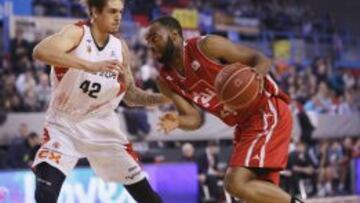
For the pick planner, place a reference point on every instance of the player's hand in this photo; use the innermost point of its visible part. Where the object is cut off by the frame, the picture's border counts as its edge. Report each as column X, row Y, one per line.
column 113, row 66
column 261, row 81
column 168, row 122
column 261, row 78
column 229, row 109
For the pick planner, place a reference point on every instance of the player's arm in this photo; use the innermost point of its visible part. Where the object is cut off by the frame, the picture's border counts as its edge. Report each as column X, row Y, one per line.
column 54, row 50
column 135, row 96
column 221, row 49
column 187, row 118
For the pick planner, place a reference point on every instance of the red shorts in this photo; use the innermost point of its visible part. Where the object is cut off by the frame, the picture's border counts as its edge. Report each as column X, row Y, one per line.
column 263, row 140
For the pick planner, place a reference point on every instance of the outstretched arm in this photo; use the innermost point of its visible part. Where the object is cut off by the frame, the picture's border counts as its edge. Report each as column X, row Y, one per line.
column 187, row 117
column 135, row 96
column 54, row 50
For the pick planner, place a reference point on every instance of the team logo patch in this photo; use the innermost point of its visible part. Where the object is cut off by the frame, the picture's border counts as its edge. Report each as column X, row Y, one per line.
column 112, row 53
column 195, row 65
column 169, row 78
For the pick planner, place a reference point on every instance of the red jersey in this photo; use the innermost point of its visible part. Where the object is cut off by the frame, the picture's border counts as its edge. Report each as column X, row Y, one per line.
column 197, row 85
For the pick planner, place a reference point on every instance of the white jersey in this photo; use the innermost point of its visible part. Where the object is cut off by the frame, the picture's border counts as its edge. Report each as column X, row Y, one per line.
column 81, row 121
column 78, row 93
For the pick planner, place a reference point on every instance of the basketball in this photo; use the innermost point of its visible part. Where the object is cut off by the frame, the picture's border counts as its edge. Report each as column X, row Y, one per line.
column 236, row 86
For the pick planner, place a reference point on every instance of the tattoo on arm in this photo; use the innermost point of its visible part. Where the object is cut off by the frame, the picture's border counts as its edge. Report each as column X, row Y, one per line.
column 135, row 96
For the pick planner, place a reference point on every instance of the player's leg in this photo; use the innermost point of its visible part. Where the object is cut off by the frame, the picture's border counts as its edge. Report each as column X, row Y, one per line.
column 114, row 160
column 245, row 184
column 48, row 183
column 118, row 163
column 54, row 160
column 261, row 150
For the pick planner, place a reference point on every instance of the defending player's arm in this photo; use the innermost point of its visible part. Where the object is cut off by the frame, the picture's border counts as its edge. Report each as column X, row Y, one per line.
column 54, row 50
column 187, row 118
column 221, row 49
column 135, row 96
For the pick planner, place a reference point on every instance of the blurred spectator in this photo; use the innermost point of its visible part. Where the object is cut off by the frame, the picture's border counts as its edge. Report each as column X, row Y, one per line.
column 187, row 152
column 43, row 90
column 320, row 102
column 148, row 75
column 209, row 175
column 22, row 154
column 326, row 171
column 340, row 105
column 31, row 103
column 23, row 134
column 136, row 121
column 19, row 49
column 345, row 167
column 349, row 80
column 306, row 126
column 302, row 170
column 356, row 149
column 25, row 82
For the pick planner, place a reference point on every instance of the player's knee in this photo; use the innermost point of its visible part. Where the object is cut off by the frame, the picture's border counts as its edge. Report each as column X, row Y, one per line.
column 233, row 187
column 235, row 183
column 48, row 183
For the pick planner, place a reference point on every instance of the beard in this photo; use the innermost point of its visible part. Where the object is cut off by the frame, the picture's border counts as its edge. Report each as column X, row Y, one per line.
column 168, row 52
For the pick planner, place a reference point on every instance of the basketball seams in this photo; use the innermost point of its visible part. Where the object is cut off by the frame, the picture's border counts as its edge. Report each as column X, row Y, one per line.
column 243, row 89
column 228, row 80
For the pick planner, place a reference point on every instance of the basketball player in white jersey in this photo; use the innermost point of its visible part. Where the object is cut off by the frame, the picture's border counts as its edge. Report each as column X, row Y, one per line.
column 89, row 78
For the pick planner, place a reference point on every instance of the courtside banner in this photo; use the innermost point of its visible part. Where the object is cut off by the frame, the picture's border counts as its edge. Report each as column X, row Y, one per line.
column 176, row 183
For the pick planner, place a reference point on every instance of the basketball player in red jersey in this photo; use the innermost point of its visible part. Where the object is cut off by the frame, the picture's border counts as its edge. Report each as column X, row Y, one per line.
column 89, row 77
column 262, row 132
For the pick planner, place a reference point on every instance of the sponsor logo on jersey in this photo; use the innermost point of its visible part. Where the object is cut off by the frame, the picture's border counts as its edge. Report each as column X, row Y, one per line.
column 195, row 65
column 51, row 155
column 169, row 78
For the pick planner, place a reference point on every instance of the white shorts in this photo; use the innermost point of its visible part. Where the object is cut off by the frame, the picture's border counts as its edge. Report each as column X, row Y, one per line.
column 99, row 139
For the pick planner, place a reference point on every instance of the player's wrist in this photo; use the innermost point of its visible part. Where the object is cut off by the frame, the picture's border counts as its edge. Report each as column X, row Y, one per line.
column 85, row 66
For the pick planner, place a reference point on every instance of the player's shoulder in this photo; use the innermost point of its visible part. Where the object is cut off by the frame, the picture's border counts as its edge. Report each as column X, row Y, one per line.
column 209, row 45
column 72, row 30
column 208, row 40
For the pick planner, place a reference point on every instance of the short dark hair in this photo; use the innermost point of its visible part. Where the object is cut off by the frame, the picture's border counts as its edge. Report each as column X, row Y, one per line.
column 170, row 23
column 99, row 4
column 33, row 135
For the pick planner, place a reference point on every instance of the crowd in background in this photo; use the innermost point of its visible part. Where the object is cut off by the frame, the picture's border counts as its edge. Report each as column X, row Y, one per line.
column 279, row 15
column 323, row 166
column 318, row 87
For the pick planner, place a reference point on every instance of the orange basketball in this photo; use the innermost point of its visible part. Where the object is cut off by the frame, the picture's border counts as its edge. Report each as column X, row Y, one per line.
column 237, row 86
